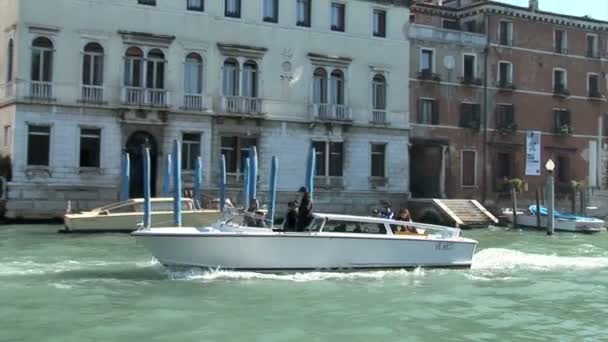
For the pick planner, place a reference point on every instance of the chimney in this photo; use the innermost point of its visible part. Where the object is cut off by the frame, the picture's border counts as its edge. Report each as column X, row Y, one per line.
column 533, row 5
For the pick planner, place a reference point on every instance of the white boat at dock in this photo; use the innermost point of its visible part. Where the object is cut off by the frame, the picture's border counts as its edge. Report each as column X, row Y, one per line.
column 331, row 242
column 562, row 222
column 127, row 216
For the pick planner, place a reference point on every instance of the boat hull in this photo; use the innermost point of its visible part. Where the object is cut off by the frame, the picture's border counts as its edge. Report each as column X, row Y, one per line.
column 302, row 251
column 130, row 222
column 587, row 226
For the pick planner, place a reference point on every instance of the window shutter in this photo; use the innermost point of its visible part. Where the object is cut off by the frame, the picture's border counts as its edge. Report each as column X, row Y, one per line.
column 463, row 115
column 511, row 115
column 420, row 116
column 435, row 118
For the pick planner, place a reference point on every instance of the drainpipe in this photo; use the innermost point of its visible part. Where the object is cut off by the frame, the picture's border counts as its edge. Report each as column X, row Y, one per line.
column 486, row 52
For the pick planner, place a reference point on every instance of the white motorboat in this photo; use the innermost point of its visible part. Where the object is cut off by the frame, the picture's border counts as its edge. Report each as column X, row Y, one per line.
column 127, row 216
column 562, row 222
column 332, row 242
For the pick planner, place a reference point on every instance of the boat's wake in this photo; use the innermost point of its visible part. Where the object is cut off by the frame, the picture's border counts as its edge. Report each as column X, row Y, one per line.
column 500, row 259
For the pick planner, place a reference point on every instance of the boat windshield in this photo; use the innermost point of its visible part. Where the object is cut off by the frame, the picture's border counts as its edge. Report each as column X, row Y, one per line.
column 335, row 226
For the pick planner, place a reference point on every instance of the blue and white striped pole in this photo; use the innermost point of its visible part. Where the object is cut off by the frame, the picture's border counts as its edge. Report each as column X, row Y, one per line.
column 147, row 200
column 167, row 177
column 222, row 183
column 246, row 199
column 177, row 184
column 198, row 180
column 125, row 177
column 310, row 171
column 274, row 169
column 253, row 174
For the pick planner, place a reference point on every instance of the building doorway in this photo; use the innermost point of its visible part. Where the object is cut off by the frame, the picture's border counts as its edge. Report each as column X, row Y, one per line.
column 135, row 144
column 426, row 163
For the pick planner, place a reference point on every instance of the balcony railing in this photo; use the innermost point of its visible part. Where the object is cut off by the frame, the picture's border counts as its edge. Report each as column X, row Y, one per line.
column 331, row 112
column 241, row 104
column 92, row 94
column 592, row 54
column 560, row 90
column 561, row 50
column 134, row 96
column 7, row 91
column 41, row 90
column 428, row 75
column 379, row 116
column 470, row 80
column 194, row 102
column 595, row 94
column 506, row 85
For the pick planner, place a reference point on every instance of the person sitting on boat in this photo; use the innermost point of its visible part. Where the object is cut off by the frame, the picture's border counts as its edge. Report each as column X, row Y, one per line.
column 254, row 217
column 404, row 216
column 304, row 211
column 291, row 218
column 387, row 212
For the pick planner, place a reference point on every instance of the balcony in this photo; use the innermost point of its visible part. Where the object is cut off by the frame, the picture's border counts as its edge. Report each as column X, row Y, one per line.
column 331, row 112
column 429, row 33
column 379, row 117
column 40, row 90
column 560, row 90
column 92, row 94
column 427, row 75
column 194, row 102
column 241, row 105
column 560, row 50
column 591, row 53
column 471, row 81
column 595, row 94
column 505, row 85
column 135, row 96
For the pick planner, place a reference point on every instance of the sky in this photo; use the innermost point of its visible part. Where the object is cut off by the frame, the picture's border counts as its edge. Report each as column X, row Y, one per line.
column 597, row 9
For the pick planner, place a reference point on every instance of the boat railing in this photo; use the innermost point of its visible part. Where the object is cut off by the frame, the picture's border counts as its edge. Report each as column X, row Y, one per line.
column 443, row 231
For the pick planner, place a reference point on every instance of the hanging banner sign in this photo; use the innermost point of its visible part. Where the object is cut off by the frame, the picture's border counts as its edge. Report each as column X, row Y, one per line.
column 533, row 164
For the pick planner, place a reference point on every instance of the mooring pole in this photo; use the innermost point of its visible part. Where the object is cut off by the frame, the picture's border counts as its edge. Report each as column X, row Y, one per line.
column 177, row 186
column 538, row 223
column 583, row 202
column 253, row 174
column 274, row 168
column 125, row 177
column 550, row 198
column 222, row 183
column 246, row 199
column 310, row 172
column 514, row 206
column 147, row 200
column 198, row 180
column 167, row 176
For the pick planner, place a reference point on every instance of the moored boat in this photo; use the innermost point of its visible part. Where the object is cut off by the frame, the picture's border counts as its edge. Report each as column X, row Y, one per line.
column 562, row 222
column 331, row 242
column 127, row 216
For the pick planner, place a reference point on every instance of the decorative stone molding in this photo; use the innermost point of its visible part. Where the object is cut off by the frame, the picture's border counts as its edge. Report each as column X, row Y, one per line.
column 144, row 38
column 327, row 60
column 236, row 50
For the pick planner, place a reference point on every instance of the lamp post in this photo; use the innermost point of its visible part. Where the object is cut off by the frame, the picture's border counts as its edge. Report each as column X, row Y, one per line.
column 550, row 166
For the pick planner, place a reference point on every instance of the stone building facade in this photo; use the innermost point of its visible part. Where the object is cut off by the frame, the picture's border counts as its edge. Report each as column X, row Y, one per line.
column 531, row 71
column 81, row 81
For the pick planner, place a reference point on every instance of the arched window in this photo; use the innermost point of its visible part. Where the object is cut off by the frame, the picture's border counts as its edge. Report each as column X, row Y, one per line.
column 42, row 60
column 155, row 70
column 250, row 79
column 319, row 86
column 336, row 89
column 231, row 77
column 193, row 74
column 10, row 58
column 134, row 59
column 379, row 92
column 92, row 65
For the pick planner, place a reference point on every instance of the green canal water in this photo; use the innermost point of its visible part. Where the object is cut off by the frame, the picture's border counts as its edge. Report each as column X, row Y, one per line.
column 524, row 286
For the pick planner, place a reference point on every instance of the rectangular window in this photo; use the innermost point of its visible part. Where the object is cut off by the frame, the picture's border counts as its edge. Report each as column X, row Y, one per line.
column 592, row 49
column 271, row 11
column 562, row 120
column 147, row 2
column 90, row 147
column 504, row 33
column 7, row 135
column 559, row 81
column 426, row 61
column 232, row 8
column 329, row 161
column 451, row 24
column 236, row 150
column 303, row 13
column 559, row 42
column 191, row 150
column 428, row 113
column 196, row 5
column 378, row 159
column 38, row 145
column 562, row 169
column 9, row 65
column 469, row 67
column 469, row 168
column 338, row 16
column 505, row 117
column 593, row 85
column 470, row 115
column 505, row 74
column 379, row 23
column 471, row 26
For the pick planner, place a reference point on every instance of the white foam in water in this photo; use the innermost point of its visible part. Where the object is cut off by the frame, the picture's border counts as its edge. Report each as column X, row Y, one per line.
column 212, row 275
column 28, row 267
column 506, row 259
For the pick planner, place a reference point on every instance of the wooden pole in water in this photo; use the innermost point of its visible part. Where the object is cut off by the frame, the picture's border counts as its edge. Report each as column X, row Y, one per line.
column 274, row 168
column 514, row 206
column 167, row 176
column 222, row 183
column 583, row 203
column 147, row 200
column 198, row 180
column 551, row 204
column 538, row 223
column 177, row 186
column 126, row 177
column 246, row 199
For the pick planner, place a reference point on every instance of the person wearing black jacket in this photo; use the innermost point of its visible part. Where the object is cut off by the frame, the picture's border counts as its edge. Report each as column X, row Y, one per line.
column 291, row 218
column 304, row 211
